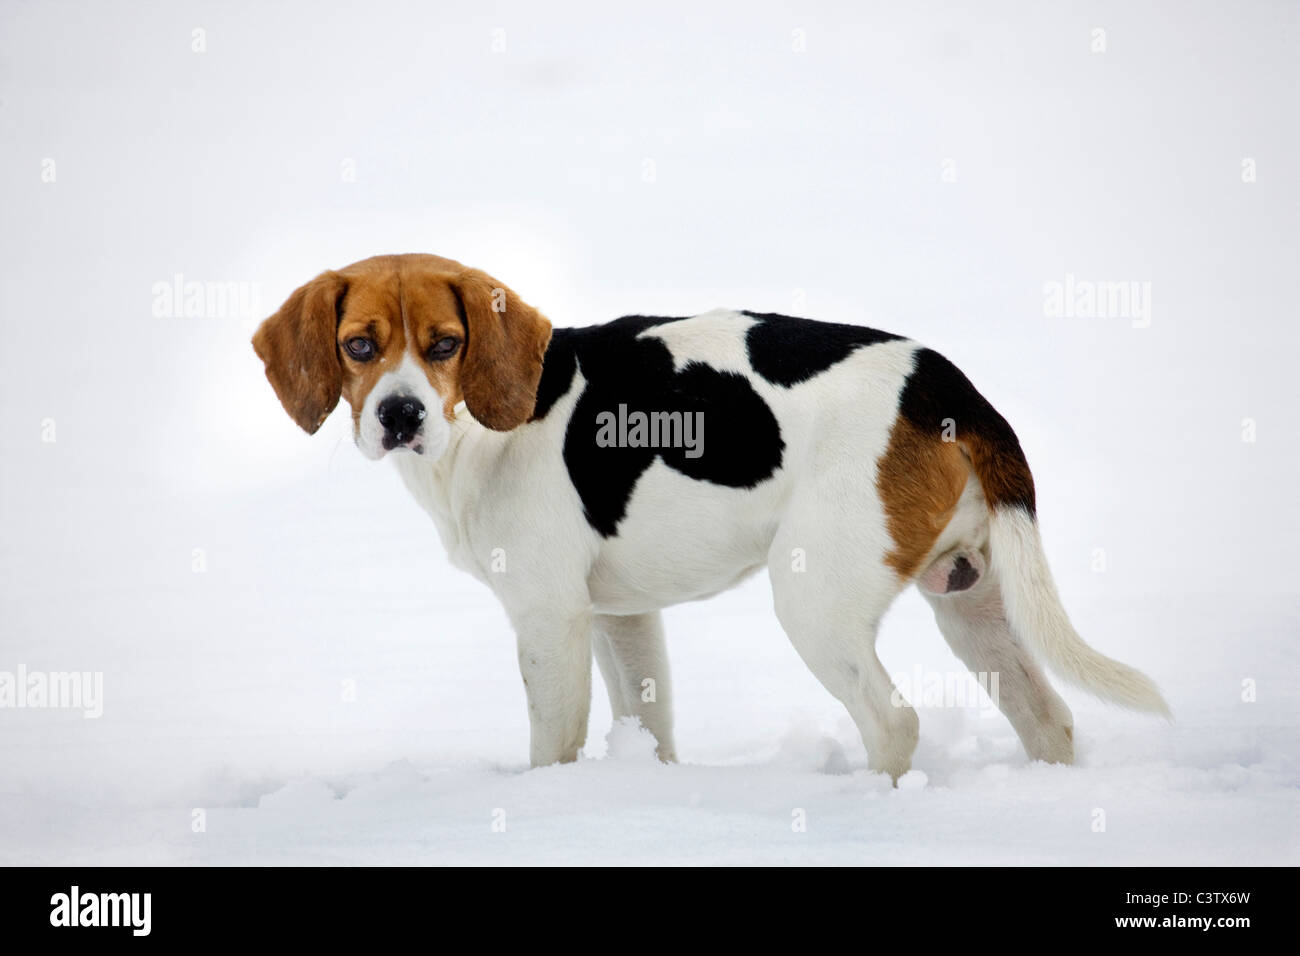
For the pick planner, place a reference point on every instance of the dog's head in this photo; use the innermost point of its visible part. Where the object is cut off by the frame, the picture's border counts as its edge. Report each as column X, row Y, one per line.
column 404, row 339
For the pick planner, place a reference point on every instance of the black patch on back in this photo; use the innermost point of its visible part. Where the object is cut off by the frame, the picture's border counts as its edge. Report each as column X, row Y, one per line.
column 742, row 444
column 963, row 574
column 787, row 350
column 936, row 390
column 561, row 359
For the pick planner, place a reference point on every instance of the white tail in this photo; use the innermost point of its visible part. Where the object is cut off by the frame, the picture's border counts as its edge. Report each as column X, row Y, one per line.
column 1037, row 618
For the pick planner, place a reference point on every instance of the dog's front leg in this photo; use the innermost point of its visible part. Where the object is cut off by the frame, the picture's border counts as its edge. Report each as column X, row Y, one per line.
column 555, row 661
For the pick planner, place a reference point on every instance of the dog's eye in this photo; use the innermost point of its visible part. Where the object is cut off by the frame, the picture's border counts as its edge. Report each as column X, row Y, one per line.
column 363, row 350
column 443, row 348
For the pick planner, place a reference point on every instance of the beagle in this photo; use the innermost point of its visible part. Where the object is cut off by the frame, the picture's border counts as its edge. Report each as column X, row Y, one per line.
column 592, row 477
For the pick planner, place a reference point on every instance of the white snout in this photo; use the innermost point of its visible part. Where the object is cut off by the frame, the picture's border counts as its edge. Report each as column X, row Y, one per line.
column 406, row 381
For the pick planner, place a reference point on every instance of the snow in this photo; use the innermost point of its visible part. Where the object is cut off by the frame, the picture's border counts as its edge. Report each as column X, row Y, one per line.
column 224, row 692
column 292, row 671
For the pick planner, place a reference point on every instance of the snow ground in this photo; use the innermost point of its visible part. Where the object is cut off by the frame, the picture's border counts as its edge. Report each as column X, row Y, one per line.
column 228, row 575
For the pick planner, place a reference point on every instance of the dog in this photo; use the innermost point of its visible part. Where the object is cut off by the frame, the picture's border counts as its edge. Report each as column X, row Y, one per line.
column 593, row 476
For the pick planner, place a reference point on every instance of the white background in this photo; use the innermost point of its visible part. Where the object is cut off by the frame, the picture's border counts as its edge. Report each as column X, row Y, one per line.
column 808, row 182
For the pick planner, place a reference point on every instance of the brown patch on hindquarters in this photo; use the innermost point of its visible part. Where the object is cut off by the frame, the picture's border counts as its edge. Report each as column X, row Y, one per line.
column 920, row 480
column 944, row 430
column 940, row 402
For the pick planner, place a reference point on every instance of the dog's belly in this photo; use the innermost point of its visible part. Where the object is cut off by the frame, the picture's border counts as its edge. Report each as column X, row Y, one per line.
column 683, row 540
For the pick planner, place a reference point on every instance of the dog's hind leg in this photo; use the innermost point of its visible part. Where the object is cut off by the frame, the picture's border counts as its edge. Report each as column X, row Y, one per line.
column 830, row 607
column 975, row 625
column 633, row 661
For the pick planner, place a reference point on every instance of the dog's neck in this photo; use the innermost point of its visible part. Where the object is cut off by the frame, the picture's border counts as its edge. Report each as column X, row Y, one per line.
column 441, row 486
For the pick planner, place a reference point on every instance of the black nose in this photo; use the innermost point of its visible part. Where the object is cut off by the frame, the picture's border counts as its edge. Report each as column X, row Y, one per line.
column 401, row 417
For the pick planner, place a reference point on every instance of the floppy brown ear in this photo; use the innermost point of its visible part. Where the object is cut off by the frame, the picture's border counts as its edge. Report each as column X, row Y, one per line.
column 301, row 355
column 505, row 343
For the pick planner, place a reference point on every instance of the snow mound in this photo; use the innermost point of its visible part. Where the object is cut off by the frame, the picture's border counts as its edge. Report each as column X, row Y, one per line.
column 299, row 795
column 628, row 740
